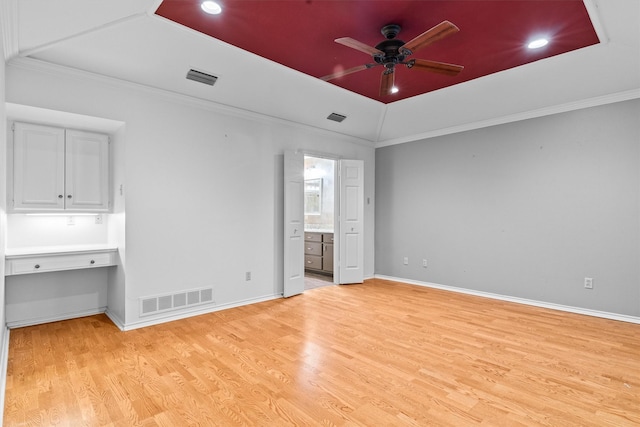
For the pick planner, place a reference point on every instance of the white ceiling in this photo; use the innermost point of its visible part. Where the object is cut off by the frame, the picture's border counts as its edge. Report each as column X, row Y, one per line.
column 125, row 40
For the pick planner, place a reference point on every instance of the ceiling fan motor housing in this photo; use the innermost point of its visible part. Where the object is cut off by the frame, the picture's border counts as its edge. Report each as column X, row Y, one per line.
column 392, row 55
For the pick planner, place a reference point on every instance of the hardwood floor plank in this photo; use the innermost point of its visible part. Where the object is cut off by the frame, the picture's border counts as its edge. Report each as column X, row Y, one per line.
column 381, row 353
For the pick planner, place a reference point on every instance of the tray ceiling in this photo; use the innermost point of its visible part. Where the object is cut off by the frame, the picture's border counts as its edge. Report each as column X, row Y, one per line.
column 493, row 35
column 268, row 57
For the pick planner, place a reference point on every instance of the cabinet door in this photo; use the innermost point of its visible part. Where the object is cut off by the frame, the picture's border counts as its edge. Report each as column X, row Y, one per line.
column 38, row 167
column 327, row 257
column 87, row 171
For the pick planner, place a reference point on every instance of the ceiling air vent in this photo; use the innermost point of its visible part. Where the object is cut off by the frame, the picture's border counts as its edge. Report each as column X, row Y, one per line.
column 336, row 117
column 199, row 76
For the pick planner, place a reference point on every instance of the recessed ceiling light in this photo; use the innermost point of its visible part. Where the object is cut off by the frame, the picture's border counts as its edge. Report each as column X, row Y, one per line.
column 211, row 7
column 538, row 43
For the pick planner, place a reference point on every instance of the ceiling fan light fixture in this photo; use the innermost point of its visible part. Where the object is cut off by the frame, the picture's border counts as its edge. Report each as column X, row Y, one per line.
column 538, row 43
column 211, row 7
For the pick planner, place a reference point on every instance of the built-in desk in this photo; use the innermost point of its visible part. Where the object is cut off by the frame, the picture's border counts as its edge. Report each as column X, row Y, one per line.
column 57, row 258
column 48, row 284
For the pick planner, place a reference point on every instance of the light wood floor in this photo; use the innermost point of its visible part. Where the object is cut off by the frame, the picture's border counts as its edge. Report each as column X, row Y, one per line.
column 378, row 354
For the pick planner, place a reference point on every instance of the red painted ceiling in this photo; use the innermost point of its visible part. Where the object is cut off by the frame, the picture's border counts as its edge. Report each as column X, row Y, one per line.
column 300, row 34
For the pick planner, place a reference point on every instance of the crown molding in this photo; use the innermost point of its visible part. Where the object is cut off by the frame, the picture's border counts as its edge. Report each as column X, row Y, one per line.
column 9, row 27
column 175, row 97
column 541, row 112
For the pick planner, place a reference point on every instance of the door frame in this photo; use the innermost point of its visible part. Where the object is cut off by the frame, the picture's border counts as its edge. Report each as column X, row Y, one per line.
column 336, row 219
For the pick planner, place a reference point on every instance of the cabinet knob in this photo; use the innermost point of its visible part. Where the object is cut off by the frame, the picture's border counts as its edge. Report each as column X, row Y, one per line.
column 69, row 196
column 93, row 262
column 59, row 196
column 37, row 266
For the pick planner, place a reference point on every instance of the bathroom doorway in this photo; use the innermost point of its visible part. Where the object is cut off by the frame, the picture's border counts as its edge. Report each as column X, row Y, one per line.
column 319, row 214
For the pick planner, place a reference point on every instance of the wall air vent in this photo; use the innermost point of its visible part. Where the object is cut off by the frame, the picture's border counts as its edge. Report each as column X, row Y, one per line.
column 199, row 76
column 336, row 117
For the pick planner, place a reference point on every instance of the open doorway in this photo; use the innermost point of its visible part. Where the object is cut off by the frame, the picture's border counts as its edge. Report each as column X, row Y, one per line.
column 319, row 214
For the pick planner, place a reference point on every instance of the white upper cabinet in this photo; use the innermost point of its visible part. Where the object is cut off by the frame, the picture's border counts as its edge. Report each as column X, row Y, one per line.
column 59, row 170
column 87, row 171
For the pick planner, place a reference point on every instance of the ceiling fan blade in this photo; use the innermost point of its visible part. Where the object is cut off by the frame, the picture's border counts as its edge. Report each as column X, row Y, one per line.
column 355, row 44
column 443, row 29
column 386, row 82
column 435, row 66
column 347, row 72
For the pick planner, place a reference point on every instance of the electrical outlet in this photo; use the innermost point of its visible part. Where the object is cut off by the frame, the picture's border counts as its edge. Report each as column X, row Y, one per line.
column 247, row 276
column 98, row 219
column 71, row 220
column 588, row 283
column 405, row 261
column 424, row 262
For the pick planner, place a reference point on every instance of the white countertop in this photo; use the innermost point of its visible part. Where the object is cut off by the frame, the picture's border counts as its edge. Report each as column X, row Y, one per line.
column 50, row 250
column 318, row 230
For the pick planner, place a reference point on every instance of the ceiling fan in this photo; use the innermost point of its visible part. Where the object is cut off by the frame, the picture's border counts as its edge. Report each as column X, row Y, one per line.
column 392, row 52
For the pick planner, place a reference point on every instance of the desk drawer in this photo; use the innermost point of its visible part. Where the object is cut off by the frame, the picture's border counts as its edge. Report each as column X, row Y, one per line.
column 58, row 263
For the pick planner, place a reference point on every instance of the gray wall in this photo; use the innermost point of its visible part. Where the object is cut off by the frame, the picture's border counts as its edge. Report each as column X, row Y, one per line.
column 527, row 209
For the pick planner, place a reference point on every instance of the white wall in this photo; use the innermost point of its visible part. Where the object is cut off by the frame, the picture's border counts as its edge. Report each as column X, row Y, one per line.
column 25, row 231
column 202, row 185
column 4, row 344
column 525, row 210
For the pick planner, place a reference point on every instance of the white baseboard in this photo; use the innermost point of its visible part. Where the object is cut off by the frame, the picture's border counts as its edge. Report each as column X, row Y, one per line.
column 552, row 306
column 170, row 317
column 56, row 318
column 115, row 319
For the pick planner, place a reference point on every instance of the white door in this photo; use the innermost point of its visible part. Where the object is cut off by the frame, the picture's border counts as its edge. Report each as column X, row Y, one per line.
column 38, row 167
column 293, row 223
column 87, row 171
column 351, row 222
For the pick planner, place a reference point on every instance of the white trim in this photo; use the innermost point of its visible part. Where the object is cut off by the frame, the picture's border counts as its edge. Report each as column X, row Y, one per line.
column 115, row 319
column 552, row 306
column 191, row 313
column 187, row 100
column 547, row 111
column 56, row 318
column 4, row 362
column 153, row 8
column 594, row 15
column 9, row 27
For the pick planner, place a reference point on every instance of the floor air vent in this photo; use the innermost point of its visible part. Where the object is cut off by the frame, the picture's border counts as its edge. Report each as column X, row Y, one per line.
column 180, row 300
column 200, row 77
